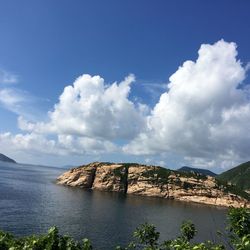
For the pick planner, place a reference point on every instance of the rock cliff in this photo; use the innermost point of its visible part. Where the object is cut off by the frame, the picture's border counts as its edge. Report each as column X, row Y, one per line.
column 154, row 181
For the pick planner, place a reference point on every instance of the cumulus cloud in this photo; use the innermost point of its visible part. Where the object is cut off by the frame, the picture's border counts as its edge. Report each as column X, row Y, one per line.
column 90, row 108
column 203, row 117
column 89, row 116
column 204, row 114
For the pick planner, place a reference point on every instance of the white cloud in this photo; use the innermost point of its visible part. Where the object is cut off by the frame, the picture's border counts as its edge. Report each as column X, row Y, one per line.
column 7, row 77
column 12, row 99
column 154, row 89
column 85, row 145
column 89, row 115
column 203, row 114
column 27, row 142
column 202, row 118
column 62, row 145
column 19, row 102
column 92, row 109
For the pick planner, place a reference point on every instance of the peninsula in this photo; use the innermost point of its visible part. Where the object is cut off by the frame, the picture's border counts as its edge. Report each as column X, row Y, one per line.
column 132, row 178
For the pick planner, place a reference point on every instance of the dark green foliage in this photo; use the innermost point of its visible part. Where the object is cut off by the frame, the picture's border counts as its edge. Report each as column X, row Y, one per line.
column 162, row 172
column 127, row 165
column 239, row 227
column 50, row 241
column 192, row 174
column 157, row 175
column 239, row 175
column 147, row 235
column 239, row 221
column 188, row 230
column 120, row 171
column 147, row 238
column 232, row 189
column 187, row 185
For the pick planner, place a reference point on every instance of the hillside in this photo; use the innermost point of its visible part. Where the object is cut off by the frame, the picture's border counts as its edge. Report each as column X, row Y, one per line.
column 6, row 159
column 136, row 179
column 197, row 170
column 239, row 176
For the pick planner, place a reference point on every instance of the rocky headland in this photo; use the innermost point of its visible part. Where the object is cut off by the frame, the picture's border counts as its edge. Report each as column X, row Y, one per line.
column 156, row 182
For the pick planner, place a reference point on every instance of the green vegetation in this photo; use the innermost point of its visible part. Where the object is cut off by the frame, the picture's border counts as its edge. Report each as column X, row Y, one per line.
column 160, row 175
column 240, row 176
column 50, row 241
column 232, row 189
column 145, row 238
column 157, row 175
column 122, row 173
column 191, row 174
column 127, row 165
column 187, row 185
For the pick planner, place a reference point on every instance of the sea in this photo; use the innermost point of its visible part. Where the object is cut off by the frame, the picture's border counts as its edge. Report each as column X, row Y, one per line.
column 31, row 202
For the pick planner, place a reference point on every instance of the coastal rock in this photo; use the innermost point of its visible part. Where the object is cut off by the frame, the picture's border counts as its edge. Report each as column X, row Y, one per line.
column 145, row 180
column 82, row 176
column 153, row 181
column 111, row 178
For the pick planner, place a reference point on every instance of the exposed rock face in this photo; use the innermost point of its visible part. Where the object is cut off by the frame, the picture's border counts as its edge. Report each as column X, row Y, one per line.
column 98, row 176
column 111, row 178
column 146, row 180
column 79, row 177
column 152, row 181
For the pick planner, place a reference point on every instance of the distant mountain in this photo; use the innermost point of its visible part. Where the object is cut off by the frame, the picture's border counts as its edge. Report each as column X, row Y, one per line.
column 197, row 170
column 6, row 159
column 239, row 176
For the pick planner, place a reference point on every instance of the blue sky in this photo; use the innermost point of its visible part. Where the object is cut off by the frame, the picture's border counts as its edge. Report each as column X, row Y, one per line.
column 46, row 45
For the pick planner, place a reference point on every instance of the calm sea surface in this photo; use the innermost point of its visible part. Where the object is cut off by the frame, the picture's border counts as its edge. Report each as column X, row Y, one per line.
column 31, row 202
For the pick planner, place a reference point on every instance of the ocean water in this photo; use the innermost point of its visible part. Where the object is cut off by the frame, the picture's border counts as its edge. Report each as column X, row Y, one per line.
column 31, row 202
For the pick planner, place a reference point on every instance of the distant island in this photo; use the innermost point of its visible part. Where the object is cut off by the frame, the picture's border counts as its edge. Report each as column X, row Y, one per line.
column 197, row 170
column 6, row 158
column 155, row 181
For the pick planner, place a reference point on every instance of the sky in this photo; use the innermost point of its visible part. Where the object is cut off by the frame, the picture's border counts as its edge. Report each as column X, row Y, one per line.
column 156, row 82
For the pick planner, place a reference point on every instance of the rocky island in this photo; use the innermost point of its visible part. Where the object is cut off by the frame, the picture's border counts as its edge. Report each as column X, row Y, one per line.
column 132, row 178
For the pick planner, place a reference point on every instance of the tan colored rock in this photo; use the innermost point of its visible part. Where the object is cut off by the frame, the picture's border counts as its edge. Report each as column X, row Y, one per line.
column 79, row 177
column 151, row 181
column 144, row 180
column 111, row 178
